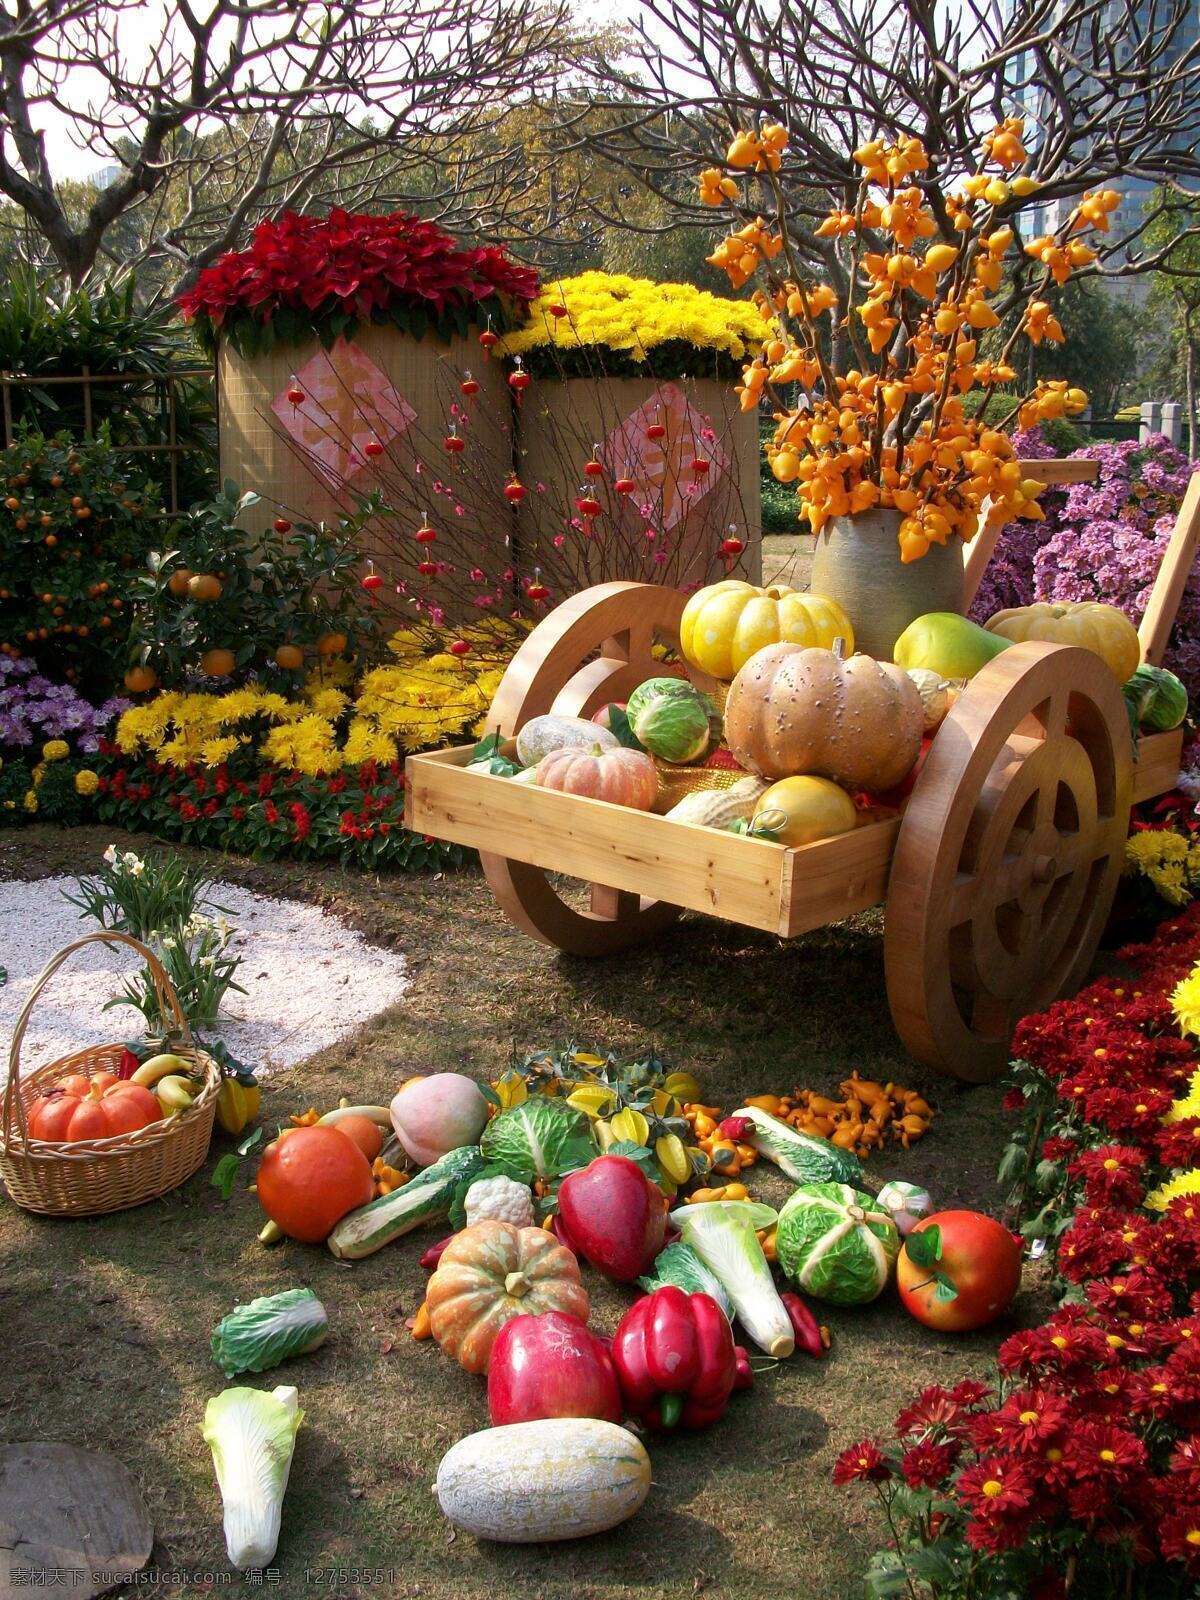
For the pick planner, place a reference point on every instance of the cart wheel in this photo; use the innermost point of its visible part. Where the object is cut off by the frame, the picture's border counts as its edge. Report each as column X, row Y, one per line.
column 593, row 648
column 1008, row 855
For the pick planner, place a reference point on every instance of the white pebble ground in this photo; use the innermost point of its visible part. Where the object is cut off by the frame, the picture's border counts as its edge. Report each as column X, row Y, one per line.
column 310, row 979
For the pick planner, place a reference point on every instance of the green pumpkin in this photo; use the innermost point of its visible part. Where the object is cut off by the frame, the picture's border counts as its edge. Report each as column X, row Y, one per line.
column 836, row 1243
column 673, row 720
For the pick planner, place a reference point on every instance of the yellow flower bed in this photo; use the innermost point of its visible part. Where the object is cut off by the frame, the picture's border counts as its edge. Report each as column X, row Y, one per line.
column 423, row 697
column 1167, row 860
column 634, row 315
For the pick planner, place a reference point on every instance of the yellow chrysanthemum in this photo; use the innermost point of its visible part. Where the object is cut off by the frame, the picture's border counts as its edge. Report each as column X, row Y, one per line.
column 309, row 745
column 1188, row 1105
column 86, row 781
column 1182, row 1183
column 30, row 802
column 215, row 751
column 364, row 743
column 1185, row 1003
column 56, row 750
column 635, row 315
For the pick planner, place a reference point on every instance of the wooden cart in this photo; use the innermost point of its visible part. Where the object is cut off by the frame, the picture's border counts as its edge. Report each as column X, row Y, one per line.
column 998, row 877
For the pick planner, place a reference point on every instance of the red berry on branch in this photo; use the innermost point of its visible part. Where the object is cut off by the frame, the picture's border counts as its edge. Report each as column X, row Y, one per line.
column 282, row 525
column 458, row 647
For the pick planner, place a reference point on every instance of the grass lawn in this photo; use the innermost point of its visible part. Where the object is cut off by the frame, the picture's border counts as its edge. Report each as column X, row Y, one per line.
column 106, row 1321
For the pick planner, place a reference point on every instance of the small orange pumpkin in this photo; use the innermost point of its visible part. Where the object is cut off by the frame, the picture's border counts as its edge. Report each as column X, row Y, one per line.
column 794, row 710
column 308, row 1180
column 620, row 776
column 492, row 1272
column 79, row 1107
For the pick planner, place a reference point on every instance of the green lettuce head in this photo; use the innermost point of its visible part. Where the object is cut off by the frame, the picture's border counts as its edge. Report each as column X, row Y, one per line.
column 543, row 1137
column 836, row 1244
column 673, row 719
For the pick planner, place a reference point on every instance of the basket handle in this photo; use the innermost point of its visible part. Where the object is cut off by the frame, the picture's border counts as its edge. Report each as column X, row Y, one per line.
column 164, row 990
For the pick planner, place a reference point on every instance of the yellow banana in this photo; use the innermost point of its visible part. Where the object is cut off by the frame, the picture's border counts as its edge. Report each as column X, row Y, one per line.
column 174, row 1093
column 149, row 1073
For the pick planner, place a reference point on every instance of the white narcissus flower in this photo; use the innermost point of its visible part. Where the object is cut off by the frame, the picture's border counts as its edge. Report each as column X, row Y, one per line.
column 110, row 855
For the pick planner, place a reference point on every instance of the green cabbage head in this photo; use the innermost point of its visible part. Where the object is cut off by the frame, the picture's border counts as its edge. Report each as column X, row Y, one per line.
column 836, row 1244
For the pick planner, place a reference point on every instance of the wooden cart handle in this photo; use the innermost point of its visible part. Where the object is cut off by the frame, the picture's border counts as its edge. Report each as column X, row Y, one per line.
column 1163, row 606
column 163, row 989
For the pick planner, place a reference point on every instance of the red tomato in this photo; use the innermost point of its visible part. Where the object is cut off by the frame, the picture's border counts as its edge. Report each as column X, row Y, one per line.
column 979, row 1257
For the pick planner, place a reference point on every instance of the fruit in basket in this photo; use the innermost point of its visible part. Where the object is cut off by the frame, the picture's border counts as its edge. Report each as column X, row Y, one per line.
column 550, row 1366
column 719, row 808
column 1090, row 624
column 724, row 624
column 835, row 1243
column 622, row 777
column 958, row 1271
column 309, row 1179
column 674, row 720
column 158, row 1067
column 492, row 1272
column 945, row 643
column 175, row 1093
column 541, row 735
column 437, row 1114
column 79, row 1107
column 808, row 809
column 793, row 710
column 615, row 1215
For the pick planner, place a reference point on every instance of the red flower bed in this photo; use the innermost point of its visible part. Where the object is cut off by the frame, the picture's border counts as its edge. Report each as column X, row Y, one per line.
column 324, row 275
column 1078, row 1473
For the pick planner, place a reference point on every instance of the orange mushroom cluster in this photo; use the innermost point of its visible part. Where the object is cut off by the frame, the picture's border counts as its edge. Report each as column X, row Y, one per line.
column 867, row 1117
column 893, row 430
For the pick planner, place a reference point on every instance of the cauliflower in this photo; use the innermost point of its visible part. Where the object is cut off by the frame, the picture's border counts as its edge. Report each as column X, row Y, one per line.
column 500, row 1198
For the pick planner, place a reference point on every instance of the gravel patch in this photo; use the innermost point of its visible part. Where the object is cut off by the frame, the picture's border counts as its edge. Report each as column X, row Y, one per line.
column 310, row 979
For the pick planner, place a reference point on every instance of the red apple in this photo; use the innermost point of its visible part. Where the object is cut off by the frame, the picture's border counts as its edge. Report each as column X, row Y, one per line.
column 604, row 715
column 615, row 1215
column 551, row 1366
column 972, row 1255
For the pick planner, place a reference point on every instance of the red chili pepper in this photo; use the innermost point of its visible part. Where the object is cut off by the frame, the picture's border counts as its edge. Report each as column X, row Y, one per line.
column 127, row 1065
column 434, row 1254
column 743, row 1372
column 805, row 1327
column 675, row 1359
column 736, row 1128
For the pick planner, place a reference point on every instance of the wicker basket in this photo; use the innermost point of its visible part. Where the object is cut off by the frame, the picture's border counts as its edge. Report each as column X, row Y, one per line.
column 88, row 1177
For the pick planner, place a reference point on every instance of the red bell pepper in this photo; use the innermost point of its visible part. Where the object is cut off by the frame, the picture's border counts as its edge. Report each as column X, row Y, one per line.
column 675, row 1361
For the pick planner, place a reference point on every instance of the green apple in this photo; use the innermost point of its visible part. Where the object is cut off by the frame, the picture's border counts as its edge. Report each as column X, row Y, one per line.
column 944, row 642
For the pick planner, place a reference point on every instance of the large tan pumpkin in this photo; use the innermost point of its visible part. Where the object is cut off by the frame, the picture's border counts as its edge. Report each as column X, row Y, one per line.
column 795, row 710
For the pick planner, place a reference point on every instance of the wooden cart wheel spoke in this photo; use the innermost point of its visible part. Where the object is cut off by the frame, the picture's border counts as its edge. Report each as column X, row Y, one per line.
column 1008, row 855
column 595, row 647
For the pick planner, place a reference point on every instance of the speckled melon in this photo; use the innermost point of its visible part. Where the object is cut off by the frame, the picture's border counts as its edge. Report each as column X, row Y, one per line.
column 560, row 1478
column 541, row 735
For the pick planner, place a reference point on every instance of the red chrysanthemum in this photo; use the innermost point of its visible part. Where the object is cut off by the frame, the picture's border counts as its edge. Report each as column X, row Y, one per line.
column 861, row 1463
column 927, row 1465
